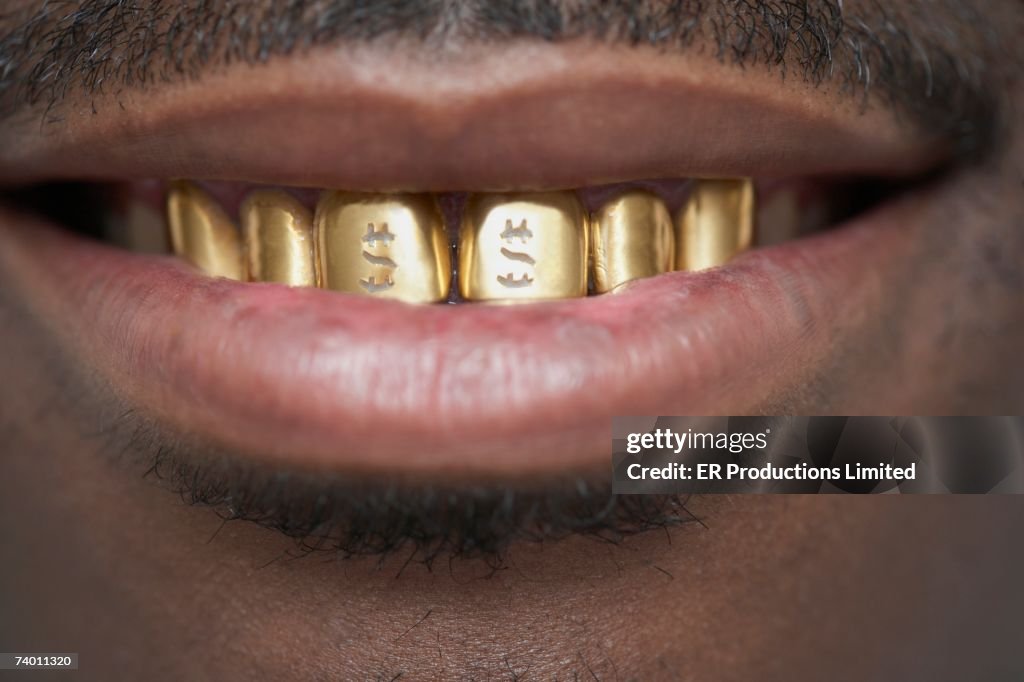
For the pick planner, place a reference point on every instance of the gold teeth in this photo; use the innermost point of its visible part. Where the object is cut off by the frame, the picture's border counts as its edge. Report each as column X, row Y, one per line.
column 202, row 234
column 383, row 245
column 512, row 247
column 278, row 232
column 631, row 238
column 515, row 247
column 716, row 224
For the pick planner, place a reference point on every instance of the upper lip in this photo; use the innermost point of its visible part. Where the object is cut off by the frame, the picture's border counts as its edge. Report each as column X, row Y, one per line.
column 525, row 118
column 312, row 378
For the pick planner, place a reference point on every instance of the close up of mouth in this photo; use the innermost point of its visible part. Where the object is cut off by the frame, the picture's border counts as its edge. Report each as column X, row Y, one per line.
column 289, row 322
column 251, row 327
column 511, row 339
column 312, row 271
column 297, row 321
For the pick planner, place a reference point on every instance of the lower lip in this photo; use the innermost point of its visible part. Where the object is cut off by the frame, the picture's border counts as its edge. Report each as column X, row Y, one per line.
column 324, row 380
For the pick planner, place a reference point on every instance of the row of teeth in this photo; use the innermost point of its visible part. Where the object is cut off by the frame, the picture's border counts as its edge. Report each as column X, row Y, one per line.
column 511, row 246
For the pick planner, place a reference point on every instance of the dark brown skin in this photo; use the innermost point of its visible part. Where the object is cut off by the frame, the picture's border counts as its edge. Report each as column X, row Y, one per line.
column 773, row 588
column 100, row 561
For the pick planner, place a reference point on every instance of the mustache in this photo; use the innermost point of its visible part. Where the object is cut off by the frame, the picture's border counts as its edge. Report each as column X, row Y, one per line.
column 900, row 55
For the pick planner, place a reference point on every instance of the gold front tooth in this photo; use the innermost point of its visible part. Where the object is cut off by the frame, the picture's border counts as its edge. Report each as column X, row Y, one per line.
column 201, row 232
column 631, row 237
column 523, row 247
column 278, row 232
column 716, row 224
column 385, row 245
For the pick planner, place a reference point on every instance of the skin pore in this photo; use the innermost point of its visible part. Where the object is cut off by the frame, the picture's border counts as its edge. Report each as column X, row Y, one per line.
column 107, row 562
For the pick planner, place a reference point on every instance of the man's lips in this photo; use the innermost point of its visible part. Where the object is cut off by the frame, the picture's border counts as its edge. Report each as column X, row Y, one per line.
column 530, row 117
column 319, row 379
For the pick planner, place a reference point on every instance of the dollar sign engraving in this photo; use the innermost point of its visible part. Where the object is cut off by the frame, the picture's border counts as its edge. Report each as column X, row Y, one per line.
column 524, row 234
column 374, row 284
